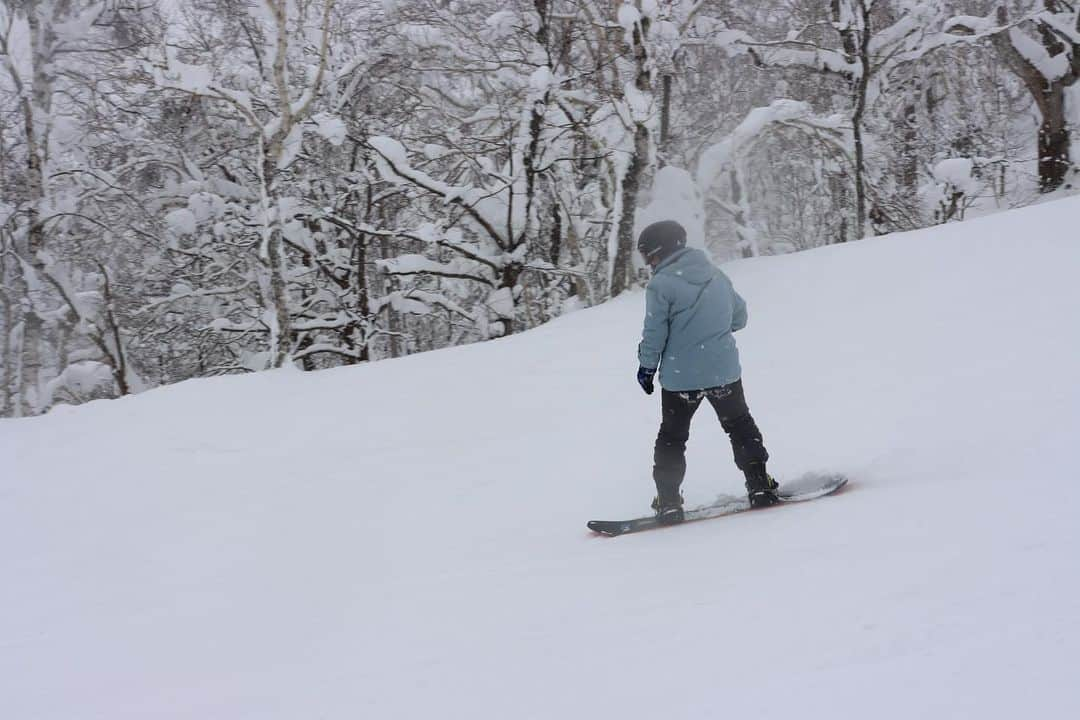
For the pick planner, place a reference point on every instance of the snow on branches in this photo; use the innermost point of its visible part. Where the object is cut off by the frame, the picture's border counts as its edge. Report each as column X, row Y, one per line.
column 731, row 156
column 193, row 187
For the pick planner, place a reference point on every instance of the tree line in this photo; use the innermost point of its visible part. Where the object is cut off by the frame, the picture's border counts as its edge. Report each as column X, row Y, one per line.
column 198, row 187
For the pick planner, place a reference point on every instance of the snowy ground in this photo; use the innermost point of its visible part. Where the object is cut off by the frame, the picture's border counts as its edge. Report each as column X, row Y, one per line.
column 344, row 545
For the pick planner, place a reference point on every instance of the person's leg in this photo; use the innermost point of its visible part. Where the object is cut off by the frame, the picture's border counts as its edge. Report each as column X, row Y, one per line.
column 747, row 444
column 729, row 402
column 669, row 456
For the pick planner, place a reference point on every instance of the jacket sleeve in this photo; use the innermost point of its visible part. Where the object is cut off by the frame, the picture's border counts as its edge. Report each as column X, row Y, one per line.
column 738, row 314
column 654, row 335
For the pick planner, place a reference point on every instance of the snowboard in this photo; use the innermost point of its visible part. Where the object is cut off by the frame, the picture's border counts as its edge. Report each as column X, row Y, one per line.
column 808, row 487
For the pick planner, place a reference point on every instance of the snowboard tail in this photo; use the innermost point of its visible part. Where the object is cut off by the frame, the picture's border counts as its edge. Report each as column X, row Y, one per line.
column 808, row 487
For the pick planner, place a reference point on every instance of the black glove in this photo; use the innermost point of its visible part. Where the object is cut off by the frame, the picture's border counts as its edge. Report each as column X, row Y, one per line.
column 645, row 379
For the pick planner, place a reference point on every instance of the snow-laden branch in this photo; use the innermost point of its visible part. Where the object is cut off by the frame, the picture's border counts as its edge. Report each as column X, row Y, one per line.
column 198, row 80
column 1034, row 53
column 974, row 27
column 427, row 233
column 392, row 160
column 758, row 121
column 420, row 265
column 419, row 302
column 330, row 348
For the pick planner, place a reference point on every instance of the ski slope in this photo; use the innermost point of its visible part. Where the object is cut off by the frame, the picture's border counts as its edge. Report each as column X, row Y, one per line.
column 407, row 539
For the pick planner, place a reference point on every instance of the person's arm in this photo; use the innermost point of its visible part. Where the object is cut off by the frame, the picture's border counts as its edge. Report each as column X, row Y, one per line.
column 654, row 334
column 738, row 314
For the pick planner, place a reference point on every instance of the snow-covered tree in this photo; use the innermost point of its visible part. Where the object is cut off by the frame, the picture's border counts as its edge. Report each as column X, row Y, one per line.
column 287, row 43
column 1040, row 42
column 204, row 186
column 53, row 55
column 728, row 161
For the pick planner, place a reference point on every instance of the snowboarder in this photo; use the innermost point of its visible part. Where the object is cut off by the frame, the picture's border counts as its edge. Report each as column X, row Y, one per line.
column 691, row 311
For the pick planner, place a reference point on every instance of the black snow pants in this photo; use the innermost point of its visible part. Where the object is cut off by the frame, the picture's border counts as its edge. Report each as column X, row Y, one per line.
column 669, row 459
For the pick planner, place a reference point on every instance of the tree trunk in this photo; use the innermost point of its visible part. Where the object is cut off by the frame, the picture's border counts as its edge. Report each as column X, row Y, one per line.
column 1054, row 143
column 273, row 255
column 111, row 337
column 1049, row 96
column 393, row 321
column 6, row 360
column 281, row 345
column 623, row 267
column 363, row 295
column 856, row 43
column 6, row 401
column 30, row 365
column 622, row 270
column 744, row 233
column 909, row 160
column 857, row 121
column 665, row 117
column 508, row 280
column 37, row 105
column 860, row 179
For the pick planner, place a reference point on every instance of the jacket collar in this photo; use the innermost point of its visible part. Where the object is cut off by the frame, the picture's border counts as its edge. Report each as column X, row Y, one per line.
column 670, row 259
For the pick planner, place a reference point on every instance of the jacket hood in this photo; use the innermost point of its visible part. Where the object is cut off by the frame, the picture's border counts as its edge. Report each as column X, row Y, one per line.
column 691, row 265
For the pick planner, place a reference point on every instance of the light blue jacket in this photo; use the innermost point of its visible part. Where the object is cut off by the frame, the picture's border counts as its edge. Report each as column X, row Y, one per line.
column 691, row 311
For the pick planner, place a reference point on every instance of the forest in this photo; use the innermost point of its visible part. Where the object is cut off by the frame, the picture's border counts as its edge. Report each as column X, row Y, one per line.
column 201, row 187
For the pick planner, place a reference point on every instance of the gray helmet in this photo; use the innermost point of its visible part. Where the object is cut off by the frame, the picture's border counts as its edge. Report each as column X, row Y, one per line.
column 661, row 239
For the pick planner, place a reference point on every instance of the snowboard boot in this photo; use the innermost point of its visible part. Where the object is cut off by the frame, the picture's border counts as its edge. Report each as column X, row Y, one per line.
column 669, row 510
column 760, row 486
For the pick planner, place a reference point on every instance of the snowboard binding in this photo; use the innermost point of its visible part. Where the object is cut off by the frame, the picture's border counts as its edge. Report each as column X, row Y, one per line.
column 761, row 488
column 669, row 511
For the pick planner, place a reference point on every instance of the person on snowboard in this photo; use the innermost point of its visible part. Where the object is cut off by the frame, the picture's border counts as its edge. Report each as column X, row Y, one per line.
column 691, row 311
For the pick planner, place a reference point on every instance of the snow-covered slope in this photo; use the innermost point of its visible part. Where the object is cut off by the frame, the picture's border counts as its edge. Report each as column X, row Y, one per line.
column 407, row 539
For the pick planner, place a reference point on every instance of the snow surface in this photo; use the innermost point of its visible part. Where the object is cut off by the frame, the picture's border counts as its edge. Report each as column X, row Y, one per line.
column 406, row 539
